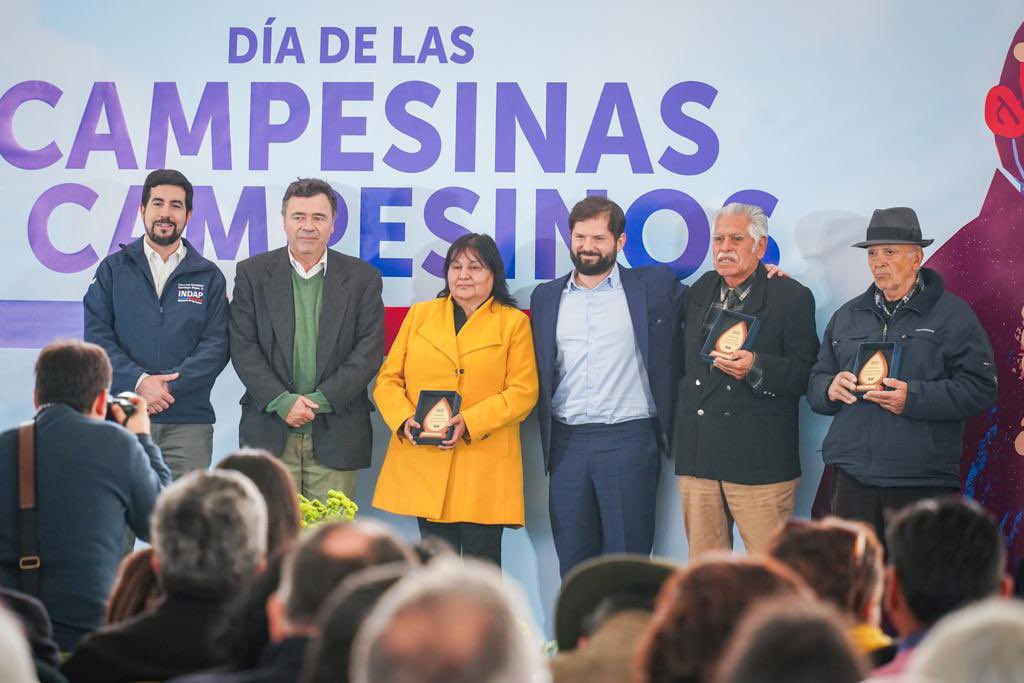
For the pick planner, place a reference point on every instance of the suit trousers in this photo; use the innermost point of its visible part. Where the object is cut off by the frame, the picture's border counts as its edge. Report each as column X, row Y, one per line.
column 711, row 507
column 875, row 504
column 313, row 479
column 467, row 539
column 604, row 484
column 185, row 447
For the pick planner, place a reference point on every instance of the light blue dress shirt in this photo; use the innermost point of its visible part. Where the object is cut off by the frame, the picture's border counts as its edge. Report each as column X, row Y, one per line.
column 600, row 370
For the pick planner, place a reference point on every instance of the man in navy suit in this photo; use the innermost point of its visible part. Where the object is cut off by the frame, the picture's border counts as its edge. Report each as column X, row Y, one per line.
column 605, row 337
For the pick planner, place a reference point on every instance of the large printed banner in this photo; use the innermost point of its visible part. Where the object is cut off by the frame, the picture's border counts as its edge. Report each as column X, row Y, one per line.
column 432, row 120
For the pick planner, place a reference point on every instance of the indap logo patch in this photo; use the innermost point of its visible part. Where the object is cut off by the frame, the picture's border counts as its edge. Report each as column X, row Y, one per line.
column 191, row 293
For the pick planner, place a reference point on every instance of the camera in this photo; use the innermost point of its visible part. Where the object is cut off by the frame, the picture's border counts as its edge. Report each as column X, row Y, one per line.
column 124, row 399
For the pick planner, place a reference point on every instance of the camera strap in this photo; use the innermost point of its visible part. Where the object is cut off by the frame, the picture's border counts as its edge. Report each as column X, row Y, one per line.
column 28, row 521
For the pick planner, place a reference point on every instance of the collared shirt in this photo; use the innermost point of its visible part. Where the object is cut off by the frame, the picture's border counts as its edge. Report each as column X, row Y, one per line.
column 600, row 370
column 731, row 299
column 319, row 266
column 161, row 270
column 889, row 308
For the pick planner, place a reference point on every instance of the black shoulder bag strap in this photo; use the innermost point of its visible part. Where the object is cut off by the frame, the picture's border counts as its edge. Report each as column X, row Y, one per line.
column 29, row 562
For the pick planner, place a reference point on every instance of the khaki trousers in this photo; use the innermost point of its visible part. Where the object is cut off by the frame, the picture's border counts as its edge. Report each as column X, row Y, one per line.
column 312, row 479
column 710, row 508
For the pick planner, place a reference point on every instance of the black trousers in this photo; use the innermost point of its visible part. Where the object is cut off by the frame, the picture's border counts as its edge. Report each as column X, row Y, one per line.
column 467, row 538
column 875, row 504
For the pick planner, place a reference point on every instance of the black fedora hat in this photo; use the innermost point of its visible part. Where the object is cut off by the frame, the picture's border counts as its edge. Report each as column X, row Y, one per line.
column 592, row 581
column 897, row 225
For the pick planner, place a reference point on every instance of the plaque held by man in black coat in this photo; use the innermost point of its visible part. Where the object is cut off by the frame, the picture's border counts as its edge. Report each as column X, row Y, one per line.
column 433, row 410
column 732, row 331
column 876, row 361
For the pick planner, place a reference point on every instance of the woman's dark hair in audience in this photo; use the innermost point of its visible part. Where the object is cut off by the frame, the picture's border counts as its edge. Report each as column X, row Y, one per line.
column 278, row 488
column 841, row 560
column 697, row 611
column 483, row 247
column 242, row 634
column 791, row 641
column 328, row 657
column 136, row 590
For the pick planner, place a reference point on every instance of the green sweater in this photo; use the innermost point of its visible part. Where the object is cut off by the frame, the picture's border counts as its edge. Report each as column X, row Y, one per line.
column 308, row 295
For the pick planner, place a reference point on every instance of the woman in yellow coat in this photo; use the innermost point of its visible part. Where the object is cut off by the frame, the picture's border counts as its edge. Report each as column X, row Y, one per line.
column 473, row 340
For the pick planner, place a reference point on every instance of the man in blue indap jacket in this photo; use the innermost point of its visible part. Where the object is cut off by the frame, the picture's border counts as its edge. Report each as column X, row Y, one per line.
column 161, row 312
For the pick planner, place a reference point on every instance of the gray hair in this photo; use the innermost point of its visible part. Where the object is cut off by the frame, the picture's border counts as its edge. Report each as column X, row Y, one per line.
column 982, row 643
column 209, row 531
column 449, row 622
column 757, row 224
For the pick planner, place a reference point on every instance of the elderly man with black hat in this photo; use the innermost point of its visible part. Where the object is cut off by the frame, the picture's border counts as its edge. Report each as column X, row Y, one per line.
column 901, row 367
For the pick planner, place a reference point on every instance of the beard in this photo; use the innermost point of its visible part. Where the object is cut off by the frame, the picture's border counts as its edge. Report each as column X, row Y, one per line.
column 164, row 240
column 603, row 264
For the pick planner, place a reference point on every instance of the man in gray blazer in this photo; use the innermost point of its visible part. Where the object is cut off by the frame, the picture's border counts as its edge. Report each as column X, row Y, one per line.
column 307, row 335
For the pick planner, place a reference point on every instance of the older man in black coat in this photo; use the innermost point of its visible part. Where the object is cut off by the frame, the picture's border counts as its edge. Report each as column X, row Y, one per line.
column 735, row 439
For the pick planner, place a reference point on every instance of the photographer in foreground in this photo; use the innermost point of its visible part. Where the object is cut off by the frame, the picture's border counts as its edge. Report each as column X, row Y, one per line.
column 92, row 477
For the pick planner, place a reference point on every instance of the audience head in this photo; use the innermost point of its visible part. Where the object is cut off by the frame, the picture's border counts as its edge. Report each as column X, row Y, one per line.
column 841, row 560
column 449, row 622
column 136, row 590
column 209, row 533
column 329, row 657
column 598, row 589
column 321, row 560
column 74, row 373
column 278, row 488
column 15, row 655
column 982, row 643
column 697, row 611
column 943, row 554
column 791, row 641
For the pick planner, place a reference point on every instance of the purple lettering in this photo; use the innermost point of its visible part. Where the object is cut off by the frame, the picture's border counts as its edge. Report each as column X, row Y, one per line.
column 696, row 131
column 373, row 231
column 465, row 127
column 235, row 35
column 103, row 100
column 615, row 99
column 396, row 109
column 336, row 125
column 39, row 233
column 212, row 114
column 262, row 132
column 250, row 213
column 14, row 153
column 441, row 226
column 694, row 218
column 512, row 111
column 327, row 55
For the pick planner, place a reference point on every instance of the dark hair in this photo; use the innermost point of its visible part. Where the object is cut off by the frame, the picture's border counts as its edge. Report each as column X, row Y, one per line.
column 487, row 251
column 946, row 552
column 137, row 590
column 328, row 657
column 278, row 488
column 697, row 611
column 310, row 187
column 72, row 372
column 311, row 572
column 840, row 560
column 167, row 176
column 594, row 206
column 791, row 641
column 242, row 633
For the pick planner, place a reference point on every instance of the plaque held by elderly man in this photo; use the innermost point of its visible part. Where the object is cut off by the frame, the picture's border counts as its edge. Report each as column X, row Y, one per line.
column 876, row 361
column 732, row 331
column 433, row 410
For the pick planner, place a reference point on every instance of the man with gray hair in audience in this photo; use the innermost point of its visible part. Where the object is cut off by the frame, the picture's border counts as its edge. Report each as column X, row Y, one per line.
column 449, row 622
column 748, row 348
column 209, row 536
column 321, row 560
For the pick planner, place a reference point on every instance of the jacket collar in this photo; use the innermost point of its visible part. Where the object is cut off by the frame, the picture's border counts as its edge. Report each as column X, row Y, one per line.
column 707, row 288
column 922, row 302
column 439, row 329
column 193, row 262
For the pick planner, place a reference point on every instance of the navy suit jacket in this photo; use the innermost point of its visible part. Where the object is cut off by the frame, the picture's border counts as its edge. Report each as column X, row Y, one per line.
column 655, row 300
